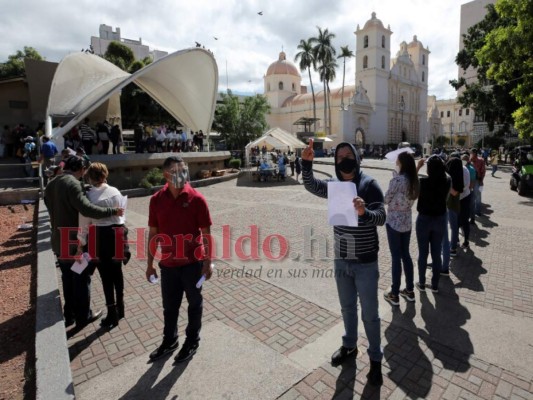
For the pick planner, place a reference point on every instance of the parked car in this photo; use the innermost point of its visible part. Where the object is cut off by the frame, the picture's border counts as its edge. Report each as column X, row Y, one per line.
column 522, row 173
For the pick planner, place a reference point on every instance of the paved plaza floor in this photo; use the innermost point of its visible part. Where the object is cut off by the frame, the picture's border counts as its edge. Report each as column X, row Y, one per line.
column 270, row 327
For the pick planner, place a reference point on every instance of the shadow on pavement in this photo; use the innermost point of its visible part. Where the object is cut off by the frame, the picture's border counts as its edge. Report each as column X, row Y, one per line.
column 410, row 368
column 145, row 388
column 79, row 346
column 468, row 269
column 444, row 323
column 344, row 386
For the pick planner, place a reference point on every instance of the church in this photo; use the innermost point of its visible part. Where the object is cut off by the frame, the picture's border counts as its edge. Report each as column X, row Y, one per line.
column 388, row 105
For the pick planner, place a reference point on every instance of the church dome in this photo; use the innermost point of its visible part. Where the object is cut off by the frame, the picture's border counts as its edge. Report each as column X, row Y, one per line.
column 282, row 67
column 373, row 21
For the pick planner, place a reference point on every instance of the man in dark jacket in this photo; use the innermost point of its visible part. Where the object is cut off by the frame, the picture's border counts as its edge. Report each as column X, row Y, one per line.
column 65, row 200
column 356, row 255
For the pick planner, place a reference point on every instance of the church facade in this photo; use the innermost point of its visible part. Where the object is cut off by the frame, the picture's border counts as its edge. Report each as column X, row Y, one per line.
column 389, row 103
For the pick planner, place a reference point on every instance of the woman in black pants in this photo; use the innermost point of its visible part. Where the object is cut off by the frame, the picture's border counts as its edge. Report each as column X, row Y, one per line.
column 107, row 257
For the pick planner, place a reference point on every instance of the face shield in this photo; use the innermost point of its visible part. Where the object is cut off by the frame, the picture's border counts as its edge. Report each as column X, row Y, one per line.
column 179, row 176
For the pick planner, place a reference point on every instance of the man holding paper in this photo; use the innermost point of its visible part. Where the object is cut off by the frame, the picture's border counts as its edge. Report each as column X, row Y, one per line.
column 356, row 253
column 65, row 199
column 179, row 223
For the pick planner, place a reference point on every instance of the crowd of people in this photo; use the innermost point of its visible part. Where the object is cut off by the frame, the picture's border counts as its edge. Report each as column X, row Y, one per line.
column 159, row 139
column 448, row 200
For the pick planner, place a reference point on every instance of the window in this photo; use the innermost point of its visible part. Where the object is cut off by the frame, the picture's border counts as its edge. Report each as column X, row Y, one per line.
column 442, row 114
column 460, row 112
column 280, row 86
column 467, row 111
column 383, row 62
column 365, row 62
column 423, row 59
column 366, row 41
column 423, row 76
column 448, row 114
column 293, row 87
column 383, row 41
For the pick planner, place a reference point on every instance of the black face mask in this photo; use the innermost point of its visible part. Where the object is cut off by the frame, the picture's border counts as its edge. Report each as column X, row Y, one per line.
column 347, row 165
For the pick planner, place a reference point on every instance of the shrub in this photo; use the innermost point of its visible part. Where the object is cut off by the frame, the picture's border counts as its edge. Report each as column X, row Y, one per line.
column 154, row 177
column 235, row 163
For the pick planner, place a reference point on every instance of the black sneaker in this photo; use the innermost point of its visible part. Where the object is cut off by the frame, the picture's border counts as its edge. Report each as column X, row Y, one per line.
column 166, row 347
column 453, row 253
column 465, row 246
column 187, row 351
column 435, row 289
column 445, row 273
column 407, row 295
column 392, row 298
column 420, row 286
column 342, row 354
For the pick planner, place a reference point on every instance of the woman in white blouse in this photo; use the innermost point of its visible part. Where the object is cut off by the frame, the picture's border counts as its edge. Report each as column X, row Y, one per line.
column 400, row 197
column 106, row 230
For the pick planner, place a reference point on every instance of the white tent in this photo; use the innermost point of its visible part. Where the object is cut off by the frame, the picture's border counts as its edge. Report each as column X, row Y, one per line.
column 276, row 138
column 185, row 83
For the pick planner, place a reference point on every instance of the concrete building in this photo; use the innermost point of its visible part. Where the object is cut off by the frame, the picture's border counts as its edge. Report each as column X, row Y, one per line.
column 389, row 104
column 106, row 36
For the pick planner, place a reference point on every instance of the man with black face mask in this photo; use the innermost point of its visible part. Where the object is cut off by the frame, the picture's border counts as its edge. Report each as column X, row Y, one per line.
column 356, row 255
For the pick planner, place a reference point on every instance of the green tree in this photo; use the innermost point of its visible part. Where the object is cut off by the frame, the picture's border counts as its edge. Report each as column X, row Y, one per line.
column 491, row 97
column 327, row 74
column 307, row 60
column 240, row 122
column 14, row 66
column 324, row 52
column 441, row 141
column 120, row 55
column 345, row 53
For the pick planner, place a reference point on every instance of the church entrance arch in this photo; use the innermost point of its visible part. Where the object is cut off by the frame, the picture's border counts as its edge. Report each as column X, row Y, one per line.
column 359, row 137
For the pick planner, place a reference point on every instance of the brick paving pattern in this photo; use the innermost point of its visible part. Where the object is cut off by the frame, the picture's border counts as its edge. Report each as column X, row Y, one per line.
column 493, row 275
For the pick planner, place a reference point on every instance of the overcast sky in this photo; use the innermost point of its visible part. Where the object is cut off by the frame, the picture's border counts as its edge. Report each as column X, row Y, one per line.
column 247, row 42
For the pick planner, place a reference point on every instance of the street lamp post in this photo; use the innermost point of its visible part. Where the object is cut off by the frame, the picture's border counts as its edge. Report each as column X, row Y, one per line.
column 402, row 107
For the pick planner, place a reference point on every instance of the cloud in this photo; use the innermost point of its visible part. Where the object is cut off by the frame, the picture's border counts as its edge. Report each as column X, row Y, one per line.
column 247, row 41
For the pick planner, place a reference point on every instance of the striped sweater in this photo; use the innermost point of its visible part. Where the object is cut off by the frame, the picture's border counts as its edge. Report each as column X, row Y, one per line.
column 361, row 243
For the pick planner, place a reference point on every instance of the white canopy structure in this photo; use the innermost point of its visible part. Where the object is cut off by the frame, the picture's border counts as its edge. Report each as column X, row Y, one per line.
column 185, row 83
column 276, row 138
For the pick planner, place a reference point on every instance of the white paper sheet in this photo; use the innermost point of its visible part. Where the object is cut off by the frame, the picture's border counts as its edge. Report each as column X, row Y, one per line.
column 340, row 203
column 393, row 155
column 80, row 265
column 124, row 205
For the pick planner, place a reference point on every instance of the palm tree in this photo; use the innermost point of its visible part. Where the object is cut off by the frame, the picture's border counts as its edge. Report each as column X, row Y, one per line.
column 327, row 73
column 307, row 60
column 323, row 52
column 345, row 53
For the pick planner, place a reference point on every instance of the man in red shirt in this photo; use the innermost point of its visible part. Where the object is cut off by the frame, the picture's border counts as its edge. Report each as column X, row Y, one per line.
column 179, row 223
column 479, row 166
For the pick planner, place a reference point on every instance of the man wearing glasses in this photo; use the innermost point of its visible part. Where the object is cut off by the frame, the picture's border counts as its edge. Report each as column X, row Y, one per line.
column 179, row 224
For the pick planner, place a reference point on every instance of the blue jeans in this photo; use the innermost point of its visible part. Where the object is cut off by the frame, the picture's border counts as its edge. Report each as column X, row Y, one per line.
column 399, row 249
column 477, row 200
column 429, row 233
column 453, row 219
column 353, row 280
column 174, row 282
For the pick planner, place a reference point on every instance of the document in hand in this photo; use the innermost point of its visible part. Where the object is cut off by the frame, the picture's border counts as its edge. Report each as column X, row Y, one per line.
column 341, row 210
column 124, row 205
column 80, row 265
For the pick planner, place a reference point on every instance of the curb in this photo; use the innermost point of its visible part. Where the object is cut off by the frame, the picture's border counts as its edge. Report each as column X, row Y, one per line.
column 52, row 361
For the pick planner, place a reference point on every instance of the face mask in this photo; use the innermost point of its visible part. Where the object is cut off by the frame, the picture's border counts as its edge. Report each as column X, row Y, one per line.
column 347, row 165
column 180, row 177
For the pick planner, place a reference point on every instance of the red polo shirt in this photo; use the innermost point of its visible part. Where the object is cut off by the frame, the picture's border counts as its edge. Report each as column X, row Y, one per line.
column 178, row 221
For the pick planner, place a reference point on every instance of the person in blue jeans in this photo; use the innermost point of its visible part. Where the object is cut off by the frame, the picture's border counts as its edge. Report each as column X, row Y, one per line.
column 400, row 197
column 356, row 255
column 454, row 167
column 431, row 220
